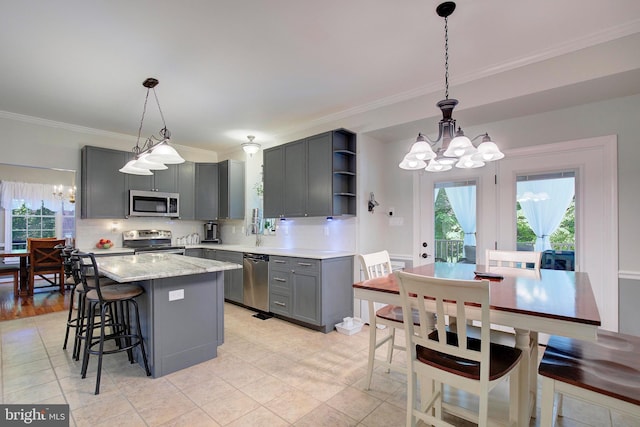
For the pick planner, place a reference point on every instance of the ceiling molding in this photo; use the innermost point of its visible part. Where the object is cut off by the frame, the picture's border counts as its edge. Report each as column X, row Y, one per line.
column 66, row 126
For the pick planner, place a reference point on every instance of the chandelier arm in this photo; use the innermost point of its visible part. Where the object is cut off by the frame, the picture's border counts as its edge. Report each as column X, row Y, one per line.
column 481, row 135
column 432, row 141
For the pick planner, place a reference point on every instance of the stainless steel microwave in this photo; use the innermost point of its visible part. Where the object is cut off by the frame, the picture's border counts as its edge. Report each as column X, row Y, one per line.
column 154, row 203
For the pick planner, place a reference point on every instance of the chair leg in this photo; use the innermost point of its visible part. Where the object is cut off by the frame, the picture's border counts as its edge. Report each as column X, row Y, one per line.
column 88, row 337
column 546, row 404
column 103, row 309
column 66, row 334
column 373, row 330
column 391, row 346
column 15, row 284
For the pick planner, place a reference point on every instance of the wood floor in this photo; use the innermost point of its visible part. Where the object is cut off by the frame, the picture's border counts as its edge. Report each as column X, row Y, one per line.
column 43, row 301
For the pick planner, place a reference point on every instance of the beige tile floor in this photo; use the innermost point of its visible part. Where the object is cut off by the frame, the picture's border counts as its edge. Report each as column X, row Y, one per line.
column 267, row 373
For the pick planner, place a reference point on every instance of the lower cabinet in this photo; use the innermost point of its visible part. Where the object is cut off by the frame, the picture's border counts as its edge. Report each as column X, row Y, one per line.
column 315, row 292
column 233, row 281
column 233, row 289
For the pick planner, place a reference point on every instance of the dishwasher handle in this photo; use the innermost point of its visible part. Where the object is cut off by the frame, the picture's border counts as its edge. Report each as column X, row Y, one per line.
column 256, row 257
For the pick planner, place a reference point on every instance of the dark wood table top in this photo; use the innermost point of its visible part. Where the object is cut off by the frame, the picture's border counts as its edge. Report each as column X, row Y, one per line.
column 5, row 253
column 555, row 294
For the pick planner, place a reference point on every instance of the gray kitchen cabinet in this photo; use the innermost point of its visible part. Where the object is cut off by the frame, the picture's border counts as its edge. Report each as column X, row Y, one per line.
column 165, row 181
column 312, row 177
column 194, row 252
column 209, row 253
column 206, row 191
column 231, row 189
column 280, row 286
column 317, row 293
column 187, row 190
column 233, row 279
column 295, row 178
column 103, row 191
column 273, row 178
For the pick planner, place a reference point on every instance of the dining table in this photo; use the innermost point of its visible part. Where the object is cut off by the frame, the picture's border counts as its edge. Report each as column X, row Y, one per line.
column 554, row 302
column 23, row 254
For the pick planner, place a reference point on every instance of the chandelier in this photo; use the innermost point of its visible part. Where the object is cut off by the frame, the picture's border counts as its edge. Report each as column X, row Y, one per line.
column 60, row 194
column 451, row 147
column 155, row 153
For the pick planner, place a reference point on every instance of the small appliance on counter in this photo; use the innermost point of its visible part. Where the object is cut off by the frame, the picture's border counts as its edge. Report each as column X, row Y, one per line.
column 211, row 233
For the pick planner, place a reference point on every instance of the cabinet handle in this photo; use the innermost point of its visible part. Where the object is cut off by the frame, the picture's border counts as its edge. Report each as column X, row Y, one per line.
column 281, row 304
column 277, row 279
column 277, row 261
column 304, row 264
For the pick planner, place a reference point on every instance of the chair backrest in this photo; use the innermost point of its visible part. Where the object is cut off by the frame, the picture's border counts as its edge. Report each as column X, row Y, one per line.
column 85, row 271
column 38, row 239
column 376, row 264
column 513, row 259
column 44, row 255
column 428, row 295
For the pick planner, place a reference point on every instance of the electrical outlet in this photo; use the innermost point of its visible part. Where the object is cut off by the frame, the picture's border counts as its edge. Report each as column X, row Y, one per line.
column 176, row 295
column 326, row 230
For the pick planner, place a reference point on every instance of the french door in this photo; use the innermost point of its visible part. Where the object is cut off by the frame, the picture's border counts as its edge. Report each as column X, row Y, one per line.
column 594, row 163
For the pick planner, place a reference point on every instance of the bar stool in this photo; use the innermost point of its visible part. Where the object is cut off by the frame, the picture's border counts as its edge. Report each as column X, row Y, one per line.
column 118, row 300
column 77, row 320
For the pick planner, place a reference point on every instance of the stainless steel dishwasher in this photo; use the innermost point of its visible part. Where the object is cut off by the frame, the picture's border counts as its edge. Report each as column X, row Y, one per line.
column 255, row 275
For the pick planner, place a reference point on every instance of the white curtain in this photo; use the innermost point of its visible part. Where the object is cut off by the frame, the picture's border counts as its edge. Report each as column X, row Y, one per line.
column 13, row 194
column 544, row 203
column 463, row 202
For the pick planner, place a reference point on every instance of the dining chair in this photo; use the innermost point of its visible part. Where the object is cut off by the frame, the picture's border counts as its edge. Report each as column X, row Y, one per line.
column 374, row 265
column 443, row 356
column 45, row 259
column 11, row 270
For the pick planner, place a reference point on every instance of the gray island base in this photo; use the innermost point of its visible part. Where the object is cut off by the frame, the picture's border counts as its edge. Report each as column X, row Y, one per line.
column 182, row 310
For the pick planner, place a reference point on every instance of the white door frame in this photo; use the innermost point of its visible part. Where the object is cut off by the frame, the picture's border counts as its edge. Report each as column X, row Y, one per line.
column 595, row 162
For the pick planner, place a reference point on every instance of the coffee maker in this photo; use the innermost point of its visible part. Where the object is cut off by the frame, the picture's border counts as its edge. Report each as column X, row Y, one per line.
column 211, row 232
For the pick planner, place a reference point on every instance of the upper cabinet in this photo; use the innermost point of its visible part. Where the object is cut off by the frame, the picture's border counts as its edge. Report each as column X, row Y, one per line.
column 208, row 191
column 315, row 176
column 165, row 180
column 206, row 203
column 187, row 190
column 103, row 191
column 231, row 189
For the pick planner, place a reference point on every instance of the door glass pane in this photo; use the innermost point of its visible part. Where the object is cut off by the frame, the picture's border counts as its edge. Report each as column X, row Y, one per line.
column 545, row 206
column 455, row 221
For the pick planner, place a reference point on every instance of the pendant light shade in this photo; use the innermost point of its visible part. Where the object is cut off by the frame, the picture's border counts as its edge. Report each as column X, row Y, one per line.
column 166, row 154
column 251, row 147
column 130, row 169
column 143, row 162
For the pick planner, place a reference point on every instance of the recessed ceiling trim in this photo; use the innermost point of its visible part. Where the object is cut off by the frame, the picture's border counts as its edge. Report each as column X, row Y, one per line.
column 594, row 39
column 65, row 126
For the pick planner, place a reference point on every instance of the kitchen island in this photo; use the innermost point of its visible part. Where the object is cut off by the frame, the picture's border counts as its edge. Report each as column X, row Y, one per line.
column 181, row 311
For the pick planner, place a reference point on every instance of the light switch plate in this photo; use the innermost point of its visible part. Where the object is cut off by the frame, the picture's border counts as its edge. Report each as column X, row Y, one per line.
column 176, row 295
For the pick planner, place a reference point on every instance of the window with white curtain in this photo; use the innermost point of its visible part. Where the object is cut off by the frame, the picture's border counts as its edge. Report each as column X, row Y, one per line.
column 31, row 210
column 455, row 221
column 546, row 202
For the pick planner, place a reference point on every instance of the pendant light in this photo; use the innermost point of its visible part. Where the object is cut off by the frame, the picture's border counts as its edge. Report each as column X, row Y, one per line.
column 451, row 147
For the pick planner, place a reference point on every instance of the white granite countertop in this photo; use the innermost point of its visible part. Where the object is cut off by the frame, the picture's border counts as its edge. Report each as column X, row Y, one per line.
column 130, row 268
column 300, row 253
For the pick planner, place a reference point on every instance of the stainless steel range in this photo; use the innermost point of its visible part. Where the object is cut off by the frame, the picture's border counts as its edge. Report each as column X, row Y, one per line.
column 146, row 241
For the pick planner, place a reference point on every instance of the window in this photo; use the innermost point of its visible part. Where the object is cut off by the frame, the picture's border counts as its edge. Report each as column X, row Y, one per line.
column 41, row 222
column 455, row 221
column 546, row 211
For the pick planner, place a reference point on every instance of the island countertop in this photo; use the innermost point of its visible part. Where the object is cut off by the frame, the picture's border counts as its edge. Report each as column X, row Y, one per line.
column 131, row 268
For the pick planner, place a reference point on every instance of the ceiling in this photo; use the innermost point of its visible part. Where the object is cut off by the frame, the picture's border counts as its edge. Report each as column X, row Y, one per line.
column 228, row 69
